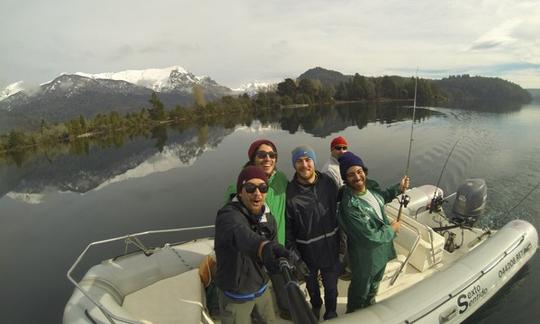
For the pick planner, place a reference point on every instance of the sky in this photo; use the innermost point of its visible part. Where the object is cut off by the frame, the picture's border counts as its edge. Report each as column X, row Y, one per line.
column 236, row 42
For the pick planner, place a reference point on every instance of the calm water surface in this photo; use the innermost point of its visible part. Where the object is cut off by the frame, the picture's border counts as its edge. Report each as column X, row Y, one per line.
column 53, row 205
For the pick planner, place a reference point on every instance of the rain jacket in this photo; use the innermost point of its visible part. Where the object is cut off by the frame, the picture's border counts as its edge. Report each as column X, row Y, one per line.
column 238, row 236
column 369, row 239
column 332, row 169
column 312, row 226
column 275, row 199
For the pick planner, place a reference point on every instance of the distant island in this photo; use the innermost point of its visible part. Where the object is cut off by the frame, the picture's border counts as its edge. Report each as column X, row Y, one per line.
column 460, row 91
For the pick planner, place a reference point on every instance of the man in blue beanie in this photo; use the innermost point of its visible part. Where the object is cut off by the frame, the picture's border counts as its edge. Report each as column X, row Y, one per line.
column 369, row 233
column 312, row 228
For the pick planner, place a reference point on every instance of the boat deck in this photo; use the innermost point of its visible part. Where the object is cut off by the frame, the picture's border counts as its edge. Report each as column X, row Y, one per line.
column 182, row 296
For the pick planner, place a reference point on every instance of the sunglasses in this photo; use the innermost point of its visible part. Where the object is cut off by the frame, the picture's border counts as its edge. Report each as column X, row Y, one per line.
column 250, row 187
column 263, row 154
column 340, row 148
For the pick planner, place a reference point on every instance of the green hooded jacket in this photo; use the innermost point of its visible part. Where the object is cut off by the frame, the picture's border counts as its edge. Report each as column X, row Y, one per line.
column 275, row 199
column 369, row 239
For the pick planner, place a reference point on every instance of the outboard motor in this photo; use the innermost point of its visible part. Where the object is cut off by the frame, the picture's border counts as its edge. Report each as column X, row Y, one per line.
column 470, row 202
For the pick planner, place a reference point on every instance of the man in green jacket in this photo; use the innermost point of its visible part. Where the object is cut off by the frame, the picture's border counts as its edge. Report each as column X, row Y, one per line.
column 369, row 233
column 263, row 154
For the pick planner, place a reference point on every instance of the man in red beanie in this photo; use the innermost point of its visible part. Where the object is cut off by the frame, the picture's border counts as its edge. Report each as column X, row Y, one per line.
column 338, row 146
column 263, row 154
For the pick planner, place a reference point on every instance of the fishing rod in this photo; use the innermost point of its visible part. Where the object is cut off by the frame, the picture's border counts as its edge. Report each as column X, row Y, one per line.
column 437, row 200
column 524, row 197
column 298, row 306
column 412, row 124
column 488, row 231
column 405, row 199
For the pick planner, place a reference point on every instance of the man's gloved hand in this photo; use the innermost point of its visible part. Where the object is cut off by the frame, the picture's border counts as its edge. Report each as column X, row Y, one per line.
column 299, row 264
column 270, row 255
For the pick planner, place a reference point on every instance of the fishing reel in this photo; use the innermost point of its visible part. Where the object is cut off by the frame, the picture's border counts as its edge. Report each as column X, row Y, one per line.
column 435, row 206
column 404, row 200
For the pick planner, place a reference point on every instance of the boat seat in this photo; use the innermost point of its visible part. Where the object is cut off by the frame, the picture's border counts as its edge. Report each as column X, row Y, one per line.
column 405, row 242
column 178, row 299
column 430, row 247
column 167, row 283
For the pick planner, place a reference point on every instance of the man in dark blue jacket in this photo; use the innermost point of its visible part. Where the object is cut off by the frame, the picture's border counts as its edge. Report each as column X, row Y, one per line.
column 245, row 242
column 312, row 228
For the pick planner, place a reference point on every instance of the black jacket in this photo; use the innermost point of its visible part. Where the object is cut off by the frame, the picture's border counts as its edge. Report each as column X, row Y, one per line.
column 312, row 226
column 237, row 239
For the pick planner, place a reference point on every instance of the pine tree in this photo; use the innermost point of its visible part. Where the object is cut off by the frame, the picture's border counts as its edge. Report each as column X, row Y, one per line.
column 157, row 111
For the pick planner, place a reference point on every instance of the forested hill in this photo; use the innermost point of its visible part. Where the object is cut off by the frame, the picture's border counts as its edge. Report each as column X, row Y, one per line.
column 327, row 77
column 486, row 92
column 463, row 91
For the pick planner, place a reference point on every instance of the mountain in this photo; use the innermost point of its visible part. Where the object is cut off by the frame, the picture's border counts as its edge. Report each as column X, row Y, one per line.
column 327, row 77
column 253, row 88
column 171, row 79
column 71, row 95
column 11, row 89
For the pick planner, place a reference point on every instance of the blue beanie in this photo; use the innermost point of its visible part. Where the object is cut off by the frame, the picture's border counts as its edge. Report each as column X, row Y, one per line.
column 303, row 150
column 347, row 160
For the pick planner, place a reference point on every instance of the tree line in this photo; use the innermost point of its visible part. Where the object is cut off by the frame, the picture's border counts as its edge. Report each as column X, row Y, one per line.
column 289, row 92
column 462, row 91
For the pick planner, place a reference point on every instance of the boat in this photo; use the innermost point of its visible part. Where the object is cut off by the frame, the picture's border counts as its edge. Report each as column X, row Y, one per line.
column 445, row 270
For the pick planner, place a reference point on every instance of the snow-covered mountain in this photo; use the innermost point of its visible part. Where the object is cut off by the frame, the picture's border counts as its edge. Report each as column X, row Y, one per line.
column 253, row 88
column 11, row 89
column 71, row 95
column 159, row 80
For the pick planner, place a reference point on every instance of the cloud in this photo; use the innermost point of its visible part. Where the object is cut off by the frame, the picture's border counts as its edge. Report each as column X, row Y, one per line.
column 244, row 40
column 500, row 36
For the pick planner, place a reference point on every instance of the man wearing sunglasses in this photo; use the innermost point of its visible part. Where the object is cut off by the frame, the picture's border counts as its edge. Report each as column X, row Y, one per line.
column 263, row 154
column 245, row 241
column 312, row 228
column 338, row 146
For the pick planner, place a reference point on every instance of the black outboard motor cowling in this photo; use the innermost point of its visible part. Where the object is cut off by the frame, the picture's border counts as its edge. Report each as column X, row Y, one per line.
column 470, row 202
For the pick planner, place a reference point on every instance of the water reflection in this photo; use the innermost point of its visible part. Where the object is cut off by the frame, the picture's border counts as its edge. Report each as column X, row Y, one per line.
column 322, row 121
column 92, row 164
column 96, row 167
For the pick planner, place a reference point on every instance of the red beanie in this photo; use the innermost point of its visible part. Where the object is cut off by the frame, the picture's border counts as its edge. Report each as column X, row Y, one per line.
column 340, row 140
column 248, row 173
column 255, row 145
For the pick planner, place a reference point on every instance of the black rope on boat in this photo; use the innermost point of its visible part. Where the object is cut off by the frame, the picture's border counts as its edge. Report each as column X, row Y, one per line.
column 90, row 318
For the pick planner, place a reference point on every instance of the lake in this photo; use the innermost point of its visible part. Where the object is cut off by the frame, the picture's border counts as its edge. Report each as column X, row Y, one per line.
column 53, row 204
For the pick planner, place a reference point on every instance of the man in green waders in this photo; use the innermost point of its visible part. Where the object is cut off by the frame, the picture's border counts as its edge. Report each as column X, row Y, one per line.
column 369, row 233
column 263, row 154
